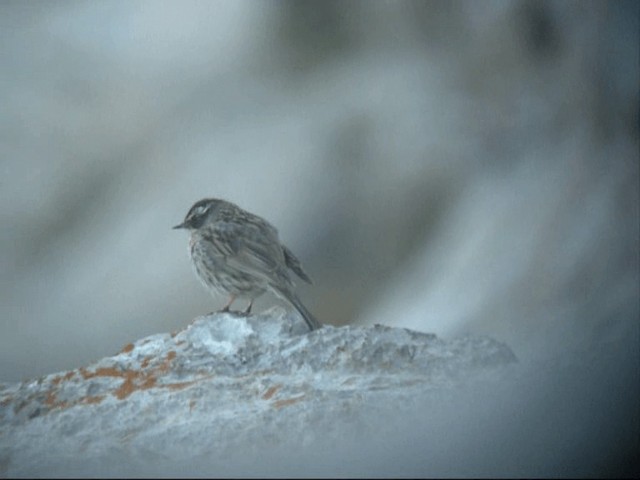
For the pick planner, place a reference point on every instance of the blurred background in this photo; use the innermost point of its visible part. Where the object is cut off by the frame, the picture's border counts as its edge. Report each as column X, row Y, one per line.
column 450, row 167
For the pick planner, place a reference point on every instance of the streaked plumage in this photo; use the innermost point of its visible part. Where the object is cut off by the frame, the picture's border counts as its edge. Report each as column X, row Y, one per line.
column 238, row 253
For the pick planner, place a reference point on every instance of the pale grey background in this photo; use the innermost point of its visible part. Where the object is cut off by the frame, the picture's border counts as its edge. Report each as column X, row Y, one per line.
column 452, row 167
column 471, row 165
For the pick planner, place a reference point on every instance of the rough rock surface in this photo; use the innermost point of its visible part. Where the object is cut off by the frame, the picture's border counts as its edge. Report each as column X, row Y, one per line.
column 226, row 389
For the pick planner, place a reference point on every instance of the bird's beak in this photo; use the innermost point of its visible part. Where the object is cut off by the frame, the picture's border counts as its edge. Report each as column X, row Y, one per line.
column 182, row 225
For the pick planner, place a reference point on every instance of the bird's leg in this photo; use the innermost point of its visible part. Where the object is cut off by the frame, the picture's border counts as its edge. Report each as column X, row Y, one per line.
column 248, row 310
column 228, row 305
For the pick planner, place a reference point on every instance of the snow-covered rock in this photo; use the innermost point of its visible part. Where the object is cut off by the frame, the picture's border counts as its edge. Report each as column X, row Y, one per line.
column 230, row 394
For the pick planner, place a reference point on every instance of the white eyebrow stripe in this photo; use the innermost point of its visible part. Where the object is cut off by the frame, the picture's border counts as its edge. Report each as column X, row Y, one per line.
column 201, row 209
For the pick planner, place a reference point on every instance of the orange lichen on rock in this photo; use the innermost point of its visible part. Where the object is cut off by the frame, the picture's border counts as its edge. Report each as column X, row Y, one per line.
column 92, row 399
column 102, row 372
column 287, row 401
column 59, row 378
column 121, row 383
column 51, row 400
column 166, row 363
column 177, row 385
column 270, row 392
column 134, row 380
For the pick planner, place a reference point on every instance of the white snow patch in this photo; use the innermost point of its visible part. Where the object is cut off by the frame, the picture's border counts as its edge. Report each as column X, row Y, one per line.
column 220, row 334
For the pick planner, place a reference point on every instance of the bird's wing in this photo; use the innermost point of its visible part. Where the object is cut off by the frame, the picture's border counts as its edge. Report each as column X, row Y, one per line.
column 249, row 247
column 294, row 264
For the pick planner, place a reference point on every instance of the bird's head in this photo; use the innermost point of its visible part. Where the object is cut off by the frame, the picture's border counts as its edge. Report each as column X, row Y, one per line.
column 199, row 213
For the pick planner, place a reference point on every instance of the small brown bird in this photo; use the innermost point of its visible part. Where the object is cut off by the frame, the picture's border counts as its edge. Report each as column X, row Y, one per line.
column 239, row 254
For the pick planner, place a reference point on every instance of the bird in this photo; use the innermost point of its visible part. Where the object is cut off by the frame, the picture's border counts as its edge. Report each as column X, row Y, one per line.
column 238, row 253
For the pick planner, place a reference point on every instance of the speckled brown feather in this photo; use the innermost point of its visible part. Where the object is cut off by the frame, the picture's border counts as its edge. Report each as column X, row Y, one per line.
column 238, row 253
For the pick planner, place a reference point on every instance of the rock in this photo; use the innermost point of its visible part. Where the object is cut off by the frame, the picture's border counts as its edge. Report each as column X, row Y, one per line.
column 226, row 389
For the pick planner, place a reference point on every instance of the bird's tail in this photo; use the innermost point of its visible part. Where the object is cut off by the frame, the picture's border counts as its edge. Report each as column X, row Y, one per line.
column 293, row 299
